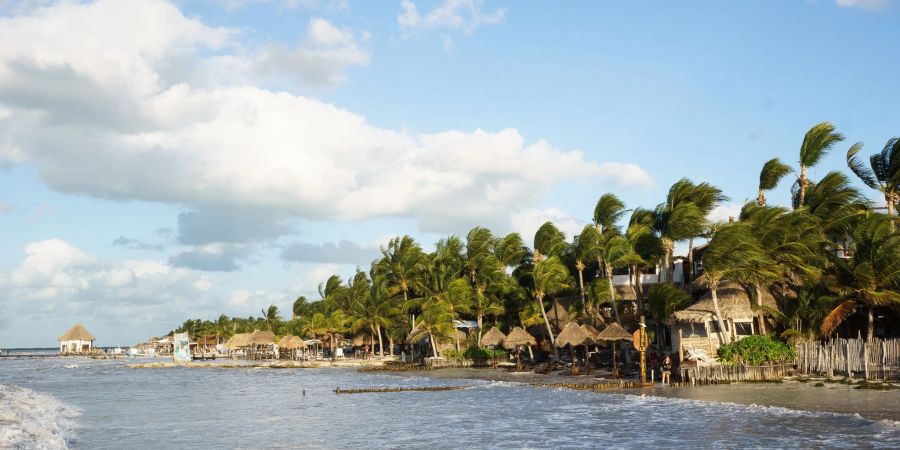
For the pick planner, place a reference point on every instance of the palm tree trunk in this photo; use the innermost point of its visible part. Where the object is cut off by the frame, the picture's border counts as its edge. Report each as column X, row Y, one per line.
column 456, row 334
column 390, row 345
column 760, row 316
column 480, row 319
column 761, row 198
column 433, row 345
column 690, row 261
column 540, row 302
column 612, row 295
column 574, row 360
column 380, row 342
column 723, row 334
column 871, row 333
column 581, row 286
column 639, row 285
column 803, row 183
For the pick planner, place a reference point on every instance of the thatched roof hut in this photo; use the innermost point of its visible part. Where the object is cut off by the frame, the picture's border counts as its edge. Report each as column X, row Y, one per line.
column 614, row 332
column 573, row 335
column 734, row 304
column 494, row 337
column 262, row 337
column 291, row 342
column 77, row 333
column 518, row 337
column 237, row 341
column 360, row 340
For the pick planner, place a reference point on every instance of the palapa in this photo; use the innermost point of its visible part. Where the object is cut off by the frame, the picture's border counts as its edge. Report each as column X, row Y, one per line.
column 494, row 337
column 262, row 337
column 77, row 333
column 591, row 331
column 734, row 303
column 614, row 332
column 518, row 337
column 574, row 335
column 237, row 341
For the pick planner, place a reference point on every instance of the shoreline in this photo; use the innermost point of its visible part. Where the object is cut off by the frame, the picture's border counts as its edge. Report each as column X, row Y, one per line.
column 834, row 397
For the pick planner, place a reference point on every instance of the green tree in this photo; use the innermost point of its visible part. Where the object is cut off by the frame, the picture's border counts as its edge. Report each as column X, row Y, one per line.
column 549, row 277
column 817, row 142
column 883, row 172
column 271, row 317
column 772, row 172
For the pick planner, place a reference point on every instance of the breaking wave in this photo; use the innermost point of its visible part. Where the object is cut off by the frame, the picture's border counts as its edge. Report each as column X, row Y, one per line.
column 32, row 420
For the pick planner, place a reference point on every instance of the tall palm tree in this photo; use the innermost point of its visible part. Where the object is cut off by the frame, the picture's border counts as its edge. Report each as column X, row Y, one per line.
column 607, row 212
column 733, row 254
column 663, row 299
column 817, row 142
column 677, row 221
column 549, row 276
column 587, row 247
column 401, row 264
column 871, row 276
column 271, row 316
column 674, row 224
column 883, row 173
column 618, row 254
column 772, row 172
column 299, row 307
column 837, row 204
column 550, row 240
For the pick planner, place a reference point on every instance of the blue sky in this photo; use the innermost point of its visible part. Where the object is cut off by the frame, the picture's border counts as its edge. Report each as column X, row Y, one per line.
column 162, row 160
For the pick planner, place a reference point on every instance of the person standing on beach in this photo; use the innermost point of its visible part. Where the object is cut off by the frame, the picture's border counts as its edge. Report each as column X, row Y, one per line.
column 667, row 370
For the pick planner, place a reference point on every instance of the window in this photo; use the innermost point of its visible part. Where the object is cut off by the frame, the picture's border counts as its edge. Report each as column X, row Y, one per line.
column 620, row 271
column 650, row 270
column 743, row 328
column 693, row 330
column 714, row 326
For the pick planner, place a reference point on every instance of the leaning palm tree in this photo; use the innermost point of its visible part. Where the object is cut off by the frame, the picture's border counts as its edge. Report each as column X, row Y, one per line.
column 705, row 197
column 550, row 276
column 608, row 211
column 299, row 307
column 772, row 172
column 550, row 240
column 271, row 317
column 587, row 247
column 883, row 173
column 733, row 254
column 816, row 144
column 617, row 254
column 871, row 276
column 401, row 264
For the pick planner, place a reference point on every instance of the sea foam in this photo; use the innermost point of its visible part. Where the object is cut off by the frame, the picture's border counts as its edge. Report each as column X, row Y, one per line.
column 33, row 420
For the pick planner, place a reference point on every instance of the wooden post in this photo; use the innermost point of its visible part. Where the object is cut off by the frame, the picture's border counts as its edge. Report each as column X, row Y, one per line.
column 866, row 359
column 847, row 346
column 680, row 347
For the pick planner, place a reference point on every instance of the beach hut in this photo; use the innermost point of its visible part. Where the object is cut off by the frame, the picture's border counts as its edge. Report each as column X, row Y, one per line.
column 515, row 339
column 572, row 336
column 76, row 341
column 493, row 338
column 290, row 347
column 612, row 333
column 260, row 344
column 696, row 327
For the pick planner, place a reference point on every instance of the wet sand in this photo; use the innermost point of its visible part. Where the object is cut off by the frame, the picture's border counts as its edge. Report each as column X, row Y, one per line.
column 832, row 397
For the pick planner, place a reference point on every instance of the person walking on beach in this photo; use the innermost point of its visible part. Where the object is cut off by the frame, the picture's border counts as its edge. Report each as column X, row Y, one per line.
column 667, row 370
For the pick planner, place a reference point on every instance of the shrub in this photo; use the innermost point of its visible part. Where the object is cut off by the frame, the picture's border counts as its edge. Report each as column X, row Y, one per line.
column 453, row 354
column 755, row 350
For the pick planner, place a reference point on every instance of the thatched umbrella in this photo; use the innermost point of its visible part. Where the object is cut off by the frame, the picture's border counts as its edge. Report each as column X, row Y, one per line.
column 516, row 338
column 493, row 338
column 613, row 332
column 573, row 335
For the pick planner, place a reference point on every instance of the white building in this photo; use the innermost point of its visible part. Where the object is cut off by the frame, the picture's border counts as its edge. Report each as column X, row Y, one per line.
column 76, row 341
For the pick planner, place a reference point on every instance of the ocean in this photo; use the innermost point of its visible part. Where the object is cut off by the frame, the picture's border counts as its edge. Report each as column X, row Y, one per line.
column 102, row 404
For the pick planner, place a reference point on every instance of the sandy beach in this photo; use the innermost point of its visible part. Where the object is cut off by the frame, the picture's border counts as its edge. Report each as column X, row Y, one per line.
column 832, row 397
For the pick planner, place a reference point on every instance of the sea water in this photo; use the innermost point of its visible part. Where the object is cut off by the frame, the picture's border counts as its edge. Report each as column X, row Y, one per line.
column 84, row 403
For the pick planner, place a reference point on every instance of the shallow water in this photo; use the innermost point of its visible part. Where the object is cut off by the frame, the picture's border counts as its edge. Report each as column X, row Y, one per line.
column 86, row 403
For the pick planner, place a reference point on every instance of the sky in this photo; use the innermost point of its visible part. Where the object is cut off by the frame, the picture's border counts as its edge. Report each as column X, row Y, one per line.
column 164, row 160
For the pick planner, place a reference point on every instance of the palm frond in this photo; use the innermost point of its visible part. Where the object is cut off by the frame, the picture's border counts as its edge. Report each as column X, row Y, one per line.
column 817, row 142
column 864, row 173
column 837, row 316
column 772, row 172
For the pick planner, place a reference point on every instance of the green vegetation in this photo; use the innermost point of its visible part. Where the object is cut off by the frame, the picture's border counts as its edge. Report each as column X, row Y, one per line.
column 756, row 350
column 832, row 254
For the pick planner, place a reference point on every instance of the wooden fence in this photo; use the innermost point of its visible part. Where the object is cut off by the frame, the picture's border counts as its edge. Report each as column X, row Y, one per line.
column 700, row 375
column 854, row 358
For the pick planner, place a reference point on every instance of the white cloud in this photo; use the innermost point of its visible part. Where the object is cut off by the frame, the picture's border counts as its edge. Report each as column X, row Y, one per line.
column 459, row 15
column 527, row 222
column 872, row 5
column 59, row 279
column 114, row 100
column 722, row 213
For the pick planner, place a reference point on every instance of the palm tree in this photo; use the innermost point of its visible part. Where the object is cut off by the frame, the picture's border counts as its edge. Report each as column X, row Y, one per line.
column 837, row 204
column 587, row 247
column 549, row 240
column 816, row 144
column 883, row 173
column 677, row 220
column 733, row 254
column 298, row 309
column 437, row 321
column 401, row 265
column 772, row 172
column 483, row 271
column 549, row 276
column 607, row 212
column 871, row 276
column 270, row 316
column 663, row 299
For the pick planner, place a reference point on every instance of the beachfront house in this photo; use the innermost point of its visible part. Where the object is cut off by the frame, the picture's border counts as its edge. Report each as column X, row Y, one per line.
column 76, row 341
column 695, row 328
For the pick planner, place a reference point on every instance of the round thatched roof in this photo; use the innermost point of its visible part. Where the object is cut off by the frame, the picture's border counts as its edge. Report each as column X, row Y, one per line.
column 573, row 334
column 734, row 303
column 291, row 342
column 493, row 337
column 260, row 337
column 518, row 337
column 237, row 341
column 614, row 332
